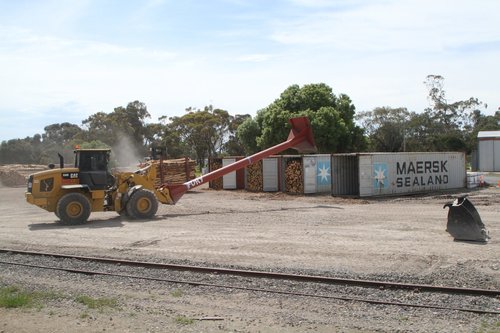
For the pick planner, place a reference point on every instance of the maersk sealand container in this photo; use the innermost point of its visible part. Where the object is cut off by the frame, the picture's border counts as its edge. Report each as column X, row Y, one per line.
column 376, row 174
column 402, row 173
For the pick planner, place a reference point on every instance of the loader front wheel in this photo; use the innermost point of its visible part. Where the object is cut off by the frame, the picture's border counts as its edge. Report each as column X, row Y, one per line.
column 142, row 204
column 73, row 208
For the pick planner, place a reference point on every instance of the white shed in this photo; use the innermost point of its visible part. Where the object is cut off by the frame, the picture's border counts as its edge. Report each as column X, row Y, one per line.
column 489, row 151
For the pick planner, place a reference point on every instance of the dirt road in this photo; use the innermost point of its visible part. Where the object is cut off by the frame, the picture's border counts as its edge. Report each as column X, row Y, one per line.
column 396, row 239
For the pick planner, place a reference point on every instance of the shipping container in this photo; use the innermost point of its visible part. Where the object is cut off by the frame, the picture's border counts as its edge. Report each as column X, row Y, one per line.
column 271, row 174
column 317, row 173
column 397, row 173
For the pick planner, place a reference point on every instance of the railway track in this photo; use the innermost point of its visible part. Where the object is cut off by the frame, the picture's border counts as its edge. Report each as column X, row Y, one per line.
column 263, row 275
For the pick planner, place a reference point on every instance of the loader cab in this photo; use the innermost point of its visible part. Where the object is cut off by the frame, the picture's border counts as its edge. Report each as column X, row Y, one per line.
column 93, row 168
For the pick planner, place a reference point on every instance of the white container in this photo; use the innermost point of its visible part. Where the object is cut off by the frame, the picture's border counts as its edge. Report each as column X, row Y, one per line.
column 229, row 180
column 402, row 173
column 270, row 174
column 317, row 173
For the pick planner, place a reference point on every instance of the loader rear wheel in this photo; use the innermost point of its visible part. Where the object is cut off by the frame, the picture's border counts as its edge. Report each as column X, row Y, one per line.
column 73, row 208
column 142, row 204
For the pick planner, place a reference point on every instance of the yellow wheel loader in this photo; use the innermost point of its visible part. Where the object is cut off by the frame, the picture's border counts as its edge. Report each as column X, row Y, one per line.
column 73, row 193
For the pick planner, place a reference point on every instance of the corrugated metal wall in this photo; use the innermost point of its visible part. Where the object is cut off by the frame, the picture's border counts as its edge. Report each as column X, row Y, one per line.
column 345, row 174
column 489, row 154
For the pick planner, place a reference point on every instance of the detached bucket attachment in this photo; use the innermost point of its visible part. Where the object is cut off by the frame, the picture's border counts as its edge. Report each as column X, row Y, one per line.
column 464, row 222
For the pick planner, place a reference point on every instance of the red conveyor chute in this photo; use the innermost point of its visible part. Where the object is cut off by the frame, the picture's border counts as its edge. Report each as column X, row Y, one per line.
column 299, row 138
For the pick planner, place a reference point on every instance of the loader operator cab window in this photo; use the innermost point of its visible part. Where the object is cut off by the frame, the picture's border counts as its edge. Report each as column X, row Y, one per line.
column 93, row 165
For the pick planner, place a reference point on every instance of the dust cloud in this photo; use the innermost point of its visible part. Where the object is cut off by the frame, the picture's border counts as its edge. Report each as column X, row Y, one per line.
column 125, row 153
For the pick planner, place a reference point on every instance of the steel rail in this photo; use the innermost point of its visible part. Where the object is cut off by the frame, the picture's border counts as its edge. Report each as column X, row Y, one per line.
column 273, row 275
column 263, row 290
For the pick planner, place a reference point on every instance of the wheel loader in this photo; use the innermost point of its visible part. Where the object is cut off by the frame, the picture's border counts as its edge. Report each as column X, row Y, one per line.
column 73, row 193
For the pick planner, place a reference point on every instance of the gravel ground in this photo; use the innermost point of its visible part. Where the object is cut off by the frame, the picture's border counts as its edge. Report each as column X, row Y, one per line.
column 394, row 239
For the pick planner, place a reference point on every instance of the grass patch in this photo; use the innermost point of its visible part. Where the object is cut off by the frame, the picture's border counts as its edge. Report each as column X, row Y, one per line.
column 183, row 320
column 14, row 297
column 97, row 303
column 177, row 293
column 489, row 327
column 84, row 315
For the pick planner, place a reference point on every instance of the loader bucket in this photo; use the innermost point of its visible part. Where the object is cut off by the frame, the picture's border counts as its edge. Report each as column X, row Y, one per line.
column 301, row 127
column 464, row 222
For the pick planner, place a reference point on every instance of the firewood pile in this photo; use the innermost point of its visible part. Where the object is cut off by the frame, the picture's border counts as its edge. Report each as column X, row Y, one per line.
column 255, row 177
column 294, row 179
column 216, row 184
column 17, row 174
column 176, row 171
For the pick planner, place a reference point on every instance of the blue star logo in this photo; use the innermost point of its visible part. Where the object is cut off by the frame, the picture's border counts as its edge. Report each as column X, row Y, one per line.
column 323, row 172
column 380, row 175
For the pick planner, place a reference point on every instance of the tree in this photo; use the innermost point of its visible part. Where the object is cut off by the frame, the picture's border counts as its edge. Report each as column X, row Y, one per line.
column 247, row 134
column 128, row 122
column 163, row 134
column 133, row 118
column 486, row 123
column 57, row 139
column 101, row 125
column 331, row 117
column 60, row 134
column 386, row 128
column 451, row 125
column 204, row 131
column 233, row 145
column 16, row 151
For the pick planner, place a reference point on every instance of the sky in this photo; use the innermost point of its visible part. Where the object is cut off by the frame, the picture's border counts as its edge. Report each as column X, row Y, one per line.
column 64, row 60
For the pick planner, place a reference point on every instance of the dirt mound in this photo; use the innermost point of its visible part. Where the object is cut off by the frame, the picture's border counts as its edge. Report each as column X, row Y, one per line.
column 17, row 174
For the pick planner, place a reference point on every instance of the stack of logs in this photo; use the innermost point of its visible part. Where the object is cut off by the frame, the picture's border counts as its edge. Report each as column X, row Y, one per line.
column 176, row 171
column 294, row 180
column 216, row 184
column 17, row 174
column 255, row 178
column 11, row 178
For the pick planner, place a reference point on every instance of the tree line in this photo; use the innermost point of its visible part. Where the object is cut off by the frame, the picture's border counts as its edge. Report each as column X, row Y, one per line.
column 208, row 132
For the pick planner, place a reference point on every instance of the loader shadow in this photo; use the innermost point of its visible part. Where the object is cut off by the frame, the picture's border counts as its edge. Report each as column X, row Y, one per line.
column 255, row 211
column 470, row 242
column 114, row 222
column 118, row 221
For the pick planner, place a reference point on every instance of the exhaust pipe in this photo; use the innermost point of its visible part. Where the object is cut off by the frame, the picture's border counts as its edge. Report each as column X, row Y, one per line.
column 61, row 161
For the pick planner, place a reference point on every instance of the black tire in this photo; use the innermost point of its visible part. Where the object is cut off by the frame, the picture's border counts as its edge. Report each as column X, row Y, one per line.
column 142, row 204
column 73, row 208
